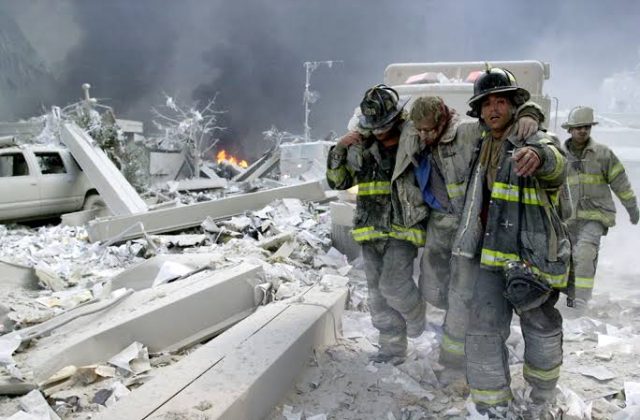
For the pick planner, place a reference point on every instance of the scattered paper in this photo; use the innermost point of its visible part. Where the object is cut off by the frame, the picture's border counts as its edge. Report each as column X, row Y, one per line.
column 9, row 343
column 36, row 406
column 170, row 270
column 601, row 373
column 632, row 393
column 134, row 359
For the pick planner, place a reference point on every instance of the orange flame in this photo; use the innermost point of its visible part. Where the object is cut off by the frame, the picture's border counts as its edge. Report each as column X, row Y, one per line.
column 222, row 156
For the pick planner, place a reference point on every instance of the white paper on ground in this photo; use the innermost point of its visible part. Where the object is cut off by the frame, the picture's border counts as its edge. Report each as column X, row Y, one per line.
column 601, row 373
column 170, row 270
column 8, row 345
column 134, row 358
column 34, row 404
column 632, row 393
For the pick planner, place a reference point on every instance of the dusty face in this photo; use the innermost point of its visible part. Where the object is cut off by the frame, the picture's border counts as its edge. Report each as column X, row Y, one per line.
column 385, row 132
column 428, row 130
column 580, row 135
column 497, row 112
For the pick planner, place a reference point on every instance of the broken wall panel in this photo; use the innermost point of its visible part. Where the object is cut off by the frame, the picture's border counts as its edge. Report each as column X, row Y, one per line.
column 171, row 219
column 245, row 371
column 115, row 190
column 160, row 318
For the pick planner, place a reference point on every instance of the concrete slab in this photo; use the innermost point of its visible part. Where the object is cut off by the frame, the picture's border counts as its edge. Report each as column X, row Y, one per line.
column 159, row 318
column 13, row 275
column 341, row 225
column 260, row 167
column 197, row 184
column 82, row 217
column 171, row 219
column 143, row 275
column 115, row 190
column 245, row 371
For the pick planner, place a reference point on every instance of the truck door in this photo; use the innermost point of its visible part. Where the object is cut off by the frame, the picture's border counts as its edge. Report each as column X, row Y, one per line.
column 19, row 191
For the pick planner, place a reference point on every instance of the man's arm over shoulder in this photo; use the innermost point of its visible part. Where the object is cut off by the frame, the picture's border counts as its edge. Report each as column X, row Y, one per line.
column 340, row 173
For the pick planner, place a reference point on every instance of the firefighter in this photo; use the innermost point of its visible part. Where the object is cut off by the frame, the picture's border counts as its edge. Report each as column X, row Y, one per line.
column 443, row 150
column 510, row 230
column 388, row 218
column 593, row 171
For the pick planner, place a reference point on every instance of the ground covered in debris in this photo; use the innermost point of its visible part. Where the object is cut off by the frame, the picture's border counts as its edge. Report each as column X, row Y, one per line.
column 600, row 373
column 600, row 378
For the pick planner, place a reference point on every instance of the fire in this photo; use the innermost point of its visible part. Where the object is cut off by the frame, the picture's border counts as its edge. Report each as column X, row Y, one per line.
column 223, row 156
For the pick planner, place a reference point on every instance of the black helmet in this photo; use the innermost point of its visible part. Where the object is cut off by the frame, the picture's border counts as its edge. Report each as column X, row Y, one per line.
column 380, row 106
column 495, row 80
column 524, row 289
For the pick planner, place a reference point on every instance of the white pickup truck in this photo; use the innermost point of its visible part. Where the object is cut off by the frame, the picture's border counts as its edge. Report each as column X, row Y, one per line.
column 39, row 181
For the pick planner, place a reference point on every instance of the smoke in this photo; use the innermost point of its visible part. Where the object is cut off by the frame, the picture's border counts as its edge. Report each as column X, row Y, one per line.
column 251, row 52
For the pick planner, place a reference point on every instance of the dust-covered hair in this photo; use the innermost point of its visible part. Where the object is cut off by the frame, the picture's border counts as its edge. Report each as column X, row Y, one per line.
column 427, row 106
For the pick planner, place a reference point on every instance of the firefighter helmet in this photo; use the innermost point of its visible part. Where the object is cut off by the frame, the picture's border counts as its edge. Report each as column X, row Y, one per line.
column 578, row 117
column 495, row 80
column 525, row 290
column 380, row 106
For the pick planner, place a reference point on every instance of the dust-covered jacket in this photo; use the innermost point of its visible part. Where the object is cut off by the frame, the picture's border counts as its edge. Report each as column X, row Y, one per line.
column 389, row 203
column 518, row 207
column 590, row 180
column 453, row 155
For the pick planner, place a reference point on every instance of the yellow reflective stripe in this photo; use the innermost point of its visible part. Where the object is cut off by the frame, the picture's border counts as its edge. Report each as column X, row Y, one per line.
column 496, row 258
column 367, row 233
column 593, row 179
column 626, row 195
column 413, row 235
column 452, row 346
column 557, row 170
column 499, row 259
column 491, row 397
column 585, row 282
column 374, row 188
column 455, row 190
column 594, row 215
column 543, row 375
column 510, row 192
column 615, row 171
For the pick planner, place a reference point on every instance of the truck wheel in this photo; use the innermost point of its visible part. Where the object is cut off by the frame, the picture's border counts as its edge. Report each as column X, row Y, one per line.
column 94, row 201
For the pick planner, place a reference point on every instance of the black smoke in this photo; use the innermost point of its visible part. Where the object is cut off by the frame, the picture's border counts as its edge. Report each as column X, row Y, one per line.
column 251, row 52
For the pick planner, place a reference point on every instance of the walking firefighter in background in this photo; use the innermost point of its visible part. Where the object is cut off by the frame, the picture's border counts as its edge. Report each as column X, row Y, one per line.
column 593, row 172
column 388, row 219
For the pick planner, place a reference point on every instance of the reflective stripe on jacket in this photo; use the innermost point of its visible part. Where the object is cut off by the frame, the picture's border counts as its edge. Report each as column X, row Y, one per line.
column 544, row 243
column 590, row 180
column 388, row 204
column 453, row 154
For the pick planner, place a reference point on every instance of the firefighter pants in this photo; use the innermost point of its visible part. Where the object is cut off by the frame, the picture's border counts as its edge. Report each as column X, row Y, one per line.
column 585, row 244
column 394, row 300
column 487, row 357
column 435, row 265
column 464, row 272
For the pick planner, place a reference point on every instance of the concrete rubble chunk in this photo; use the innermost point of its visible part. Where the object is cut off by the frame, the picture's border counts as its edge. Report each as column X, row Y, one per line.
column 17, row 275
column 172, row 219
column 237, row 381
column 164, row 318
column 121, row 198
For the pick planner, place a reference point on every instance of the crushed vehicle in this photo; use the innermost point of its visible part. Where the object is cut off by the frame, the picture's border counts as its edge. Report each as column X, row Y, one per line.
column 40, row 181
